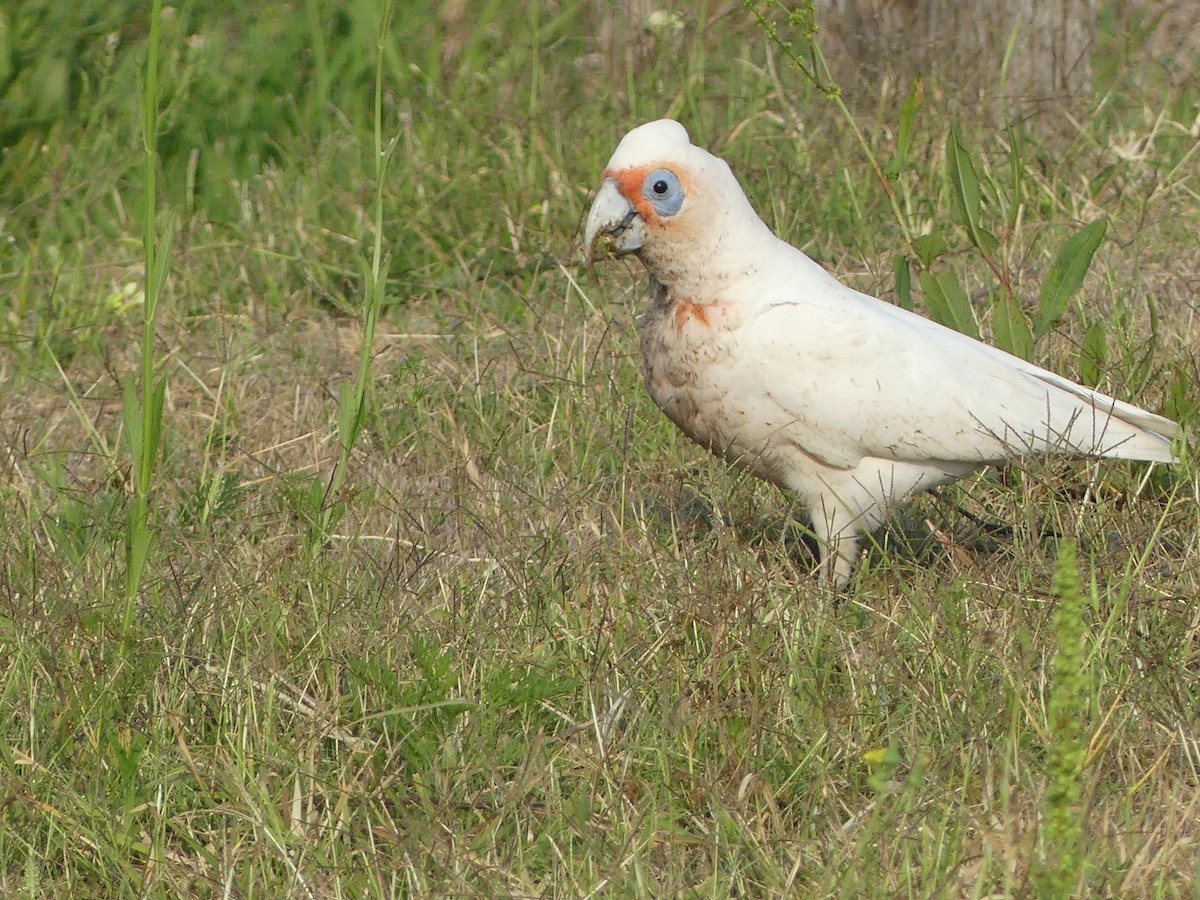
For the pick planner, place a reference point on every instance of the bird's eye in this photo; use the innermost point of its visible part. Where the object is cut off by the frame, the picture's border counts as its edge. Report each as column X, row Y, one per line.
column 663, row 190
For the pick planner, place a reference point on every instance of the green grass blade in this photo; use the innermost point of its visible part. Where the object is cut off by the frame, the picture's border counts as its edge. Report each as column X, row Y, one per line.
column 350, row 404
column 908, row 116
column 131, row 411
column 904, row 130
column 352, row 399
column 143, row 416
column 137, row 545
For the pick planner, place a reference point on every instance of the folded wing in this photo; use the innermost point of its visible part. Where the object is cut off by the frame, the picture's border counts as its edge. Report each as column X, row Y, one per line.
column 856, row 377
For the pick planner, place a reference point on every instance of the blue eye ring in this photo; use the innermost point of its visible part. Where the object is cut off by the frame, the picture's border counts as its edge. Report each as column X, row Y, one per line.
column 663, row 190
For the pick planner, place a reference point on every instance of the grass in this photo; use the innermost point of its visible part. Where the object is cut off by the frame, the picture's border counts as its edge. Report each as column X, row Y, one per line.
column 539, row 643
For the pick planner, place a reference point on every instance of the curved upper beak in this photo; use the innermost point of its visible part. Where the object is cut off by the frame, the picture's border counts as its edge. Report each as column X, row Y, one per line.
column 612, row 221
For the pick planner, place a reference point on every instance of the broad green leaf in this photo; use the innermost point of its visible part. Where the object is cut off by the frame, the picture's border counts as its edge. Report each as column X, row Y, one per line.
column 985, row 241
column 948, row 303
column 902, row 279
column 1093, row 354
column 964, row 183
column 964, row 192
column 929, row 247
column 1066, row 274
column 1011, row 328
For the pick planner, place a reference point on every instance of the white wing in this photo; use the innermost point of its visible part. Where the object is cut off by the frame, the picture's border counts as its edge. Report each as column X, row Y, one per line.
column 857, row 377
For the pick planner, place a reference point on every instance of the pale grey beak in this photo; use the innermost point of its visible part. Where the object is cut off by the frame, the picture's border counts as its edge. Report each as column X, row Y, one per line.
column 612, row 221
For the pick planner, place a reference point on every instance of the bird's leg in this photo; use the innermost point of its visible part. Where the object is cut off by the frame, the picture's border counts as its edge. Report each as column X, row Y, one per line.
column 838, row 536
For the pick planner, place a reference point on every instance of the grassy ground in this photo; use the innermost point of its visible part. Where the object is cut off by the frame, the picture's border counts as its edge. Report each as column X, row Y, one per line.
column 536, row 644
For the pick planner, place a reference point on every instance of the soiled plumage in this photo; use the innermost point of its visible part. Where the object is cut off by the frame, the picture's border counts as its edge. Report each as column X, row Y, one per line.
column 761, row 356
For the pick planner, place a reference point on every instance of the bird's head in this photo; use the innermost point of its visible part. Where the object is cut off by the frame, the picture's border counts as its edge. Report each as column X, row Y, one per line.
column 665, row 199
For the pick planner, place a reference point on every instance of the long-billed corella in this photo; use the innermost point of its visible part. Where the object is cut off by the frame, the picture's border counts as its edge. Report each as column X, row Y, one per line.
column 853, row 404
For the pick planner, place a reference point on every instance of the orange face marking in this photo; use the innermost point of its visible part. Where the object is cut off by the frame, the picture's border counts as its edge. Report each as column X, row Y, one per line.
column 630, row 181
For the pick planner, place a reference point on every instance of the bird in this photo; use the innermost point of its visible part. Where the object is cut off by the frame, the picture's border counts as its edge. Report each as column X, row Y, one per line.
column 851, row 403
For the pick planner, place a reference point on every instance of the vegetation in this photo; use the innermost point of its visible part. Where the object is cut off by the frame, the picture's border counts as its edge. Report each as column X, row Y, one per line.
column 343, row 553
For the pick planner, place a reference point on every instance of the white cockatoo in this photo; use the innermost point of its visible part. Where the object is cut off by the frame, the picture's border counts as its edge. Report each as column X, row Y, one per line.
column 853, row 404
